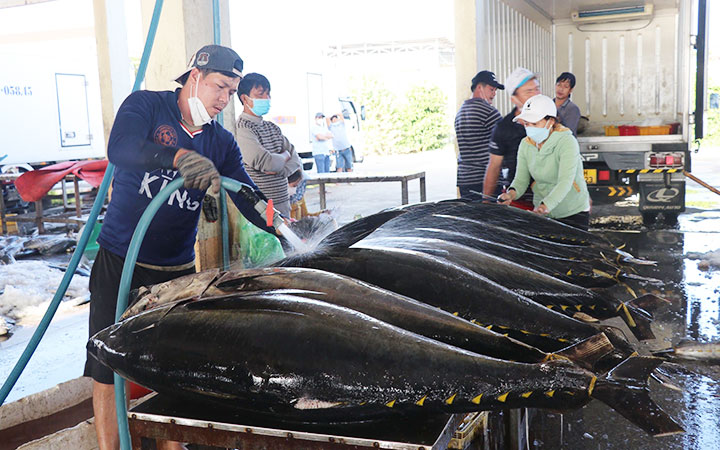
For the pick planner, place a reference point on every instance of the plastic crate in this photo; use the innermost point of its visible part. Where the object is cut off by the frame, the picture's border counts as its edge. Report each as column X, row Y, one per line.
column 629, row 130
column 659, row 129
column 612, row 131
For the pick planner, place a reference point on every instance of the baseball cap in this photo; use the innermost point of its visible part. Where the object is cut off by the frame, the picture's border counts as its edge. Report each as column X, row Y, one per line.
column 485, row 77
column 517, row 78
column 217, row 58
column 537, row 108
column 319, row 115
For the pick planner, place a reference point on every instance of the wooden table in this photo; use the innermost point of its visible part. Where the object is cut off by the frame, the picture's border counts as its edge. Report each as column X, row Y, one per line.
column 174, row 419
column 351, row 177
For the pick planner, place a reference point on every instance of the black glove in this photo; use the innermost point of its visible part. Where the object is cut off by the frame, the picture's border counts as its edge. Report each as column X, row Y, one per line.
column 198, row 171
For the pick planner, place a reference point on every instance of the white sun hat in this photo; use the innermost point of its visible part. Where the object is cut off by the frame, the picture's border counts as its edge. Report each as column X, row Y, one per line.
column 537, row 108
column 517, row 78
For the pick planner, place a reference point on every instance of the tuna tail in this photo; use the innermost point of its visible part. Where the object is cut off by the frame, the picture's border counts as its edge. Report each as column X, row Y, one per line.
column 357, row 230
column 638, row 320
column 625, row 390
column 587, row 352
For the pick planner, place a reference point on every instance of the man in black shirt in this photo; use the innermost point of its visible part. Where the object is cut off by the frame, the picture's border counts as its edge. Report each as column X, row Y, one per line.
column 522, row 84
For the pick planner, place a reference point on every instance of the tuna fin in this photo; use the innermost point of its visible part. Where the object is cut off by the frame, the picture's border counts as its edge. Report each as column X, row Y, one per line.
column 626, row 391
column 648, row 302
column 664, row 353
column 630, row 259
column 637, row 320
column 587, row 352
column 636, row 277
column 355, row 231
column 585, row 317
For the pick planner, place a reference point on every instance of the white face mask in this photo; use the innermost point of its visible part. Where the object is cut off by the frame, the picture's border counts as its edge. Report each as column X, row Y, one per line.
column 198, row 112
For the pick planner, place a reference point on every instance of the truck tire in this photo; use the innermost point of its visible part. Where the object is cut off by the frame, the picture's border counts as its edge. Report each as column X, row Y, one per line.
column 649, row 218
column 670, row 218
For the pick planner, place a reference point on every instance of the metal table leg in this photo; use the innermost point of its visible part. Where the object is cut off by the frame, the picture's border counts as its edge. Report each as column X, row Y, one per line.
column 322, row 196
column 2, row 214
column 78, row 202
column 405, row 199
column 423, row 196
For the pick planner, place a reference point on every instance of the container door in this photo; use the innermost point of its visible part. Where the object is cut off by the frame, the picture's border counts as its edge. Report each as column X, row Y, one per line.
column 73, row 110
column 701, row 77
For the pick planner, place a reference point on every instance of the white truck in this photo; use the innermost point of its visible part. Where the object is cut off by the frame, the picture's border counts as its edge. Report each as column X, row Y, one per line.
column 301, row 90
column 640, row 69
column 49, row 112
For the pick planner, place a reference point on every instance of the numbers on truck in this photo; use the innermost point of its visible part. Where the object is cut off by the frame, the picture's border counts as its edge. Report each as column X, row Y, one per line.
column 16, row 91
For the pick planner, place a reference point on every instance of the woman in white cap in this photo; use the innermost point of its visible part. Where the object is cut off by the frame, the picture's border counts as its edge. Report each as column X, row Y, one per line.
column 550, row 156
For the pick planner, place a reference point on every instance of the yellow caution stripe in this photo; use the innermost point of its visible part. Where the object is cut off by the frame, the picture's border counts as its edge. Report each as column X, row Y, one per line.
column 650, row 170
column 592, row 385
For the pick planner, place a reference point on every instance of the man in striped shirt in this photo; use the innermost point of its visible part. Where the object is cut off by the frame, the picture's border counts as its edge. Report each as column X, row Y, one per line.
column 268, row 156
column 474, row 123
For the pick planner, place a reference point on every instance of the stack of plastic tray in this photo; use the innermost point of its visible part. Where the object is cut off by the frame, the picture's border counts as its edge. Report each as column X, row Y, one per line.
column 660, row 129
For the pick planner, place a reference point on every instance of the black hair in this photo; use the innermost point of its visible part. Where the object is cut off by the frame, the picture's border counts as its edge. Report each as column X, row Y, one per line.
column 205, row 72
column 250, row 82
column 566, row 76
column 295, row 176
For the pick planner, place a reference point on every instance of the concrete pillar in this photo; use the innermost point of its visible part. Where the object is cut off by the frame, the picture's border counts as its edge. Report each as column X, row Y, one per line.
column 466, row 48
column 185, row 26
column 113, row 60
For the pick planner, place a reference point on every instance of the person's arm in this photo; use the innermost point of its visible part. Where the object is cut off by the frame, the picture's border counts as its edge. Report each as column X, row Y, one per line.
column 293, row 163
column 492, row 172
column 129, row 146
column 522, row 174
column 257, row 156
column 572, row 118
column 568, row 160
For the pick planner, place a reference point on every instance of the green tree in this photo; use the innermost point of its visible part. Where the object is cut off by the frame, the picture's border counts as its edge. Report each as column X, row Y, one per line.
column 417, row 124
column 380, row 128
column 423, row 120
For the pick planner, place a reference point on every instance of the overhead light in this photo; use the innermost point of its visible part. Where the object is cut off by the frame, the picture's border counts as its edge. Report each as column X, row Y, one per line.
column 613, row 14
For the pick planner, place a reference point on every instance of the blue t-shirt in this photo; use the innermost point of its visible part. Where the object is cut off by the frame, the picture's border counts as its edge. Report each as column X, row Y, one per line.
column 340, row 139
column 148, row 125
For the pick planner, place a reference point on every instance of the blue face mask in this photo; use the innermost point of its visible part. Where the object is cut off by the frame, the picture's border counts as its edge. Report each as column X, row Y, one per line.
column 261, row 106
column 537, row 134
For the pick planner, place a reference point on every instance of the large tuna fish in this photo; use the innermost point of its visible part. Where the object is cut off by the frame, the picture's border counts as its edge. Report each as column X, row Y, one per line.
column 456, row 289
column 305, row 360
column 542, row 288
column 597, row 273
column 340, row 290
column 468, row 218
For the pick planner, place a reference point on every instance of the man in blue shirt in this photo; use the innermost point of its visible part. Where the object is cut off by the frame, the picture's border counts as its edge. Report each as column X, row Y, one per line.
column 341, row 143
column 156, row 137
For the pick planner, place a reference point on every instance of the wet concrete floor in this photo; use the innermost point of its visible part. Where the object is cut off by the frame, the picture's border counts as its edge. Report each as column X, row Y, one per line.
column 694, row 314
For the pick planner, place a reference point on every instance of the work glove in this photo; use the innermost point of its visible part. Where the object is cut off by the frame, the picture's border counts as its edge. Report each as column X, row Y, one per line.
column 199, row 172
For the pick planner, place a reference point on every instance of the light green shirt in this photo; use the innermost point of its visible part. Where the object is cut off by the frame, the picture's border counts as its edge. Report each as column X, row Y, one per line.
column 557, row 172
